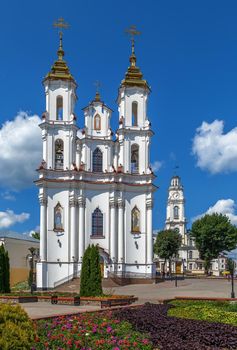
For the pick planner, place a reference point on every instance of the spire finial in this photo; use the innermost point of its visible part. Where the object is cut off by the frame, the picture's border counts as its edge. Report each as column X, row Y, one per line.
column 132, row 31
column 61, row 25
column 97, row 84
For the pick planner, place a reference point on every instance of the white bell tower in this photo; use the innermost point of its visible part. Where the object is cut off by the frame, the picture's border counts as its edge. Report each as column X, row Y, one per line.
column 175, row 215
column 134, row 133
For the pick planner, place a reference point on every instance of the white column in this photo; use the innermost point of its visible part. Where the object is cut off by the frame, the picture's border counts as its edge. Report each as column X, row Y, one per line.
column 113, row 254
column 43, row 228
column 74, row 250
column 149, row 232
column 120, row 232
column 81, row 228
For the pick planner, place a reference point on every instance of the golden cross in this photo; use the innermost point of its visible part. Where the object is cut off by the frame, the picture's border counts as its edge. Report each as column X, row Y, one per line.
column 132, row 31
column 60, row 23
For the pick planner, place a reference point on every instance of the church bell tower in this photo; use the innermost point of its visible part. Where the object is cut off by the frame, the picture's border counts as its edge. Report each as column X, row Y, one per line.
column 175, row 215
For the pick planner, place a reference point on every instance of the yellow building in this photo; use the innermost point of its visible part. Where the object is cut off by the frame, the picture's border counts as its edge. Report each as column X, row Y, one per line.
column 18, row 246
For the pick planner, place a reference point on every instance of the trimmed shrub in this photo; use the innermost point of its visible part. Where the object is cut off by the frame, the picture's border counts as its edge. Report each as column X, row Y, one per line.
column 90, row 273
column 16, row 329
column 95, row 272
column 85, row 274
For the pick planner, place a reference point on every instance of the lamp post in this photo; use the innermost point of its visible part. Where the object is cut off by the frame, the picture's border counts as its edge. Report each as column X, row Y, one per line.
column 231, row 267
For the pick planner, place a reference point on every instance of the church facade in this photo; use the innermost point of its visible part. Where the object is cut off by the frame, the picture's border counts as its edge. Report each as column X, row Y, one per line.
column 95, row 187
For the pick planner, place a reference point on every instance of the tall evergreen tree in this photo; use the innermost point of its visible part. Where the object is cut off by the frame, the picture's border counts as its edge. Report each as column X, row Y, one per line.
column 7, row 274
column 95, row 272
column 85, row 274
column 2, row 268
column 4, row 271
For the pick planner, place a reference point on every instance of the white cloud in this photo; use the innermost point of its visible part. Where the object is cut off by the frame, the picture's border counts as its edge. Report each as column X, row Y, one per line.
column 9, row 218
column 8, row 196
column 156, row 165
column 21, row 151
column 223, row 206
column 216, row 152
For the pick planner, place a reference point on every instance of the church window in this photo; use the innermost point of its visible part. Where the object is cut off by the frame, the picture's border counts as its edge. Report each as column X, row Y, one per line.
column 97, row 122
column 97, row 160
column 59, row 112
column 134, row 159
column 190, row 254
column 134, row 114
column 59, row 154
column 190, row 266
column 58, row 217
column 97, row 223
column 176, row 212
column 135, row 220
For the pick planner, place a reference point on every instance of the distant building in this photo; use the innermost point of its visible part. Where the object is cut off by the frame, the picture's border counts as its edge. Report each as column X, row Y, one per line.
column 18, row 246
column 188, row 259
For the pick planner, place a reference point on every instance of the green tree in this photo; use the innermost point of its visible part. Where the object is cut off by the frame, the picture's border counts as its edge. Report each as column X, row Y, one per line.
column 167, row 245
column 2, row 268
column 35, row 235
column 85, row 273
column 7, row 274
column 95, row 272
column 4, row 271
column 213, row 234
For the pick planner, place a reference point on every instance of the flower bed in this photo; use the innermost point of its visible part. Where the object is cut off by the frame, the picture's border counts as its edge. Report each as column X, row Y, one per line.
column 88, row 331
column 212, row 311
column 172, row 333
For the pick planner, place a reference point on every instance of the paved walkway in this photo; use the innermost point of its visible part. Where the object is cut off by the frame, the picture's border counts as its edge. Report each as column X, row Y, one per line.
column 188, row 287
column 144, row 292
column 46, row 309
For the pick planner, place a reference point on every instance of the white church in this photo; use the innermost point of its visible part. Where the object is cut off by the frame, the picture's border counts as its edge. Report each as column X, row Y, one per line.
column 95, row 186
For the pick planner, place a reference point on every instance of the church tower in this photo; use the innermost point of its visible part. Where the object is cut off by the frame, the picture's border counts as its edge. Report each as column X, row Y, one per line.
column 58, row 240
column 175, row 212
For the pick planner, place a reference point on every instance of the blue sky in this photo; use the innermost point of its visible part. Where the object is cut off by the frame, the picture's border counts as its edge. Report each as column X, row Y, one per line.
column 188, row 54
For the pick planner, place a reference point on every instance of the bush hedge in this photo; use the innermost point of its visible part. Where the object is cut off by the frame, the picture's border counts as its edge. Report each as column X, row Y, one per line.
column 16, row 329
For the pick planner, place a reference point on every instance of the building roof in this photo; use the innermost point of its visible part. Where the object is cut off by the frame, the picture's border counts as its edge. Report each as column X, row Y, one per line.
column 15, row 235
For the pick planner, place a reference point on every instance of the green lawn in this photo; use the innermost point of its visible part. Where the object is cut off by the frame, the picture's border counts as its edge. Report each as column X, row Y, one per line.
column 212, row 311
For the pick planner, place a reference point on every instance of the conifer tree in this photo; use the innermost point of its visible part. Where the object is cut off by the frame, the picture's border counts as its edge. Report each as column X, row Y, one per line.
column 95, row 272
column 7, row 274
column 85, row 274
column 2, row 269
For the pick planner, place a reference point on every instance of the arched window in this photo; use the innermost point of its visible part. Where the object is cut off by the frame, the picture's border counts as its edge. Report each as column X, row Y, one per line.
column 97, row 160
column 134, row 114
column 58, row 217
column 97, row 122
column 97, row 223
column 59, row 154
column 176, row 212
column 134, row 159
column 135, row 220
column 190, row 254
column 59, row 111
